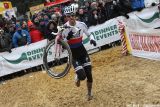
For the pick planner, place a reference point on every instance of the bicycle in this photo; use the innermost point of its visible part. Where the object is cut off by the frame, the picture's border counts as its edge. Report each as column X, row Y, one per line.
column 59, row 51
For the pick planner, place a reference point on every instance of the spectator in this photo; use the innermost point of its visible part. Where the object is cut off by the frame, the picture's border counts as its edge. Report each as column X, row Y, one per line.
column 101, row 12
column 93, row 18
column 86, row 6
column 24, row 25
column 109, row 7
column 14, row 19
column 137, row 5
column 82, row 16
column 51, row 27
column 35, row 34
column 126, row 5
column 122, row 7
column 57, row 17
column 21, row 37
column 36, row 22
column 5, row 41
column 6, row 27
column 33, row 16
column 12, row 29
column 42, row 27
column 94, row 5
column 2, row 23
column 45, row 20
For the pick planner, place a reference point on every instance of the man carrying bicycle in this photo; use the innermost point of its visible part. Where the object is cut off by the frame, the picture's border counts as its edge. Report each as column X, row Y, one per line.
column 81, row 61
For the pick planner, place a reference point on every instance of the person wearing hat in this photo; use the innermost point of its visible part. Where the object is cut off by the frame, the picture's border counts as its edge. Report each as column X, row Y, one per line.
column 21, row 37
column 5, row 41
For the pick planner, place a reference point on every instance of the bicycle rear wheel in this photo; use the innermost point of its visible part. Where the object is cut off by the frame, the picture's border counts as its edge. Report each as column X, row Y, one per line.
column 58, row 64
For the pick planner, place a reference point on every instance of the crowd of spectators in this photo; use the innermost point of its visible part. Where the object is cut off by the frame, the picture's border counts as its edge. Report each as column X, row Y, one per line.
column 15, row 33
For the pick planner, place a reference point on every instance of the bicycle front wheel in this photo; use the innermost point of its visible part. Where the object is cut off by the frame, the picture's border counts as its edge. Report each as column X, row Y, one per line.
column 57, row 60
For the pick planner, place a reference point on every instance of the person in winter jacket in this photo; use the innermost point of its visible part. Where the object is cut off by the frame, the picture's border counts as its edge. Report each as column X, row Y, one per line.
column 122, row 7
column 102, row 13
column 83, row 16
column 94, row 17
column 24, row 25
column 137, row 4
column 21, row 37
column 35, row 34
column 5, row 41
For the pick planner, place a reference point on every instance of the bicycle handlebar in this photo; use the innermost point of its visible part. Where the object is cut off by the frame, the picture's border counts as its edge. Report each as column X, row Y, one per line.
column 61, row 28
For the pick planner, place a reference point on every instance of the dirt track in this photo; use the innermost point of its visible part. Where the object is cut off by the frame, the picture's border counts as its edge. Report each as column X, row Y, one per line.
column 118, row 82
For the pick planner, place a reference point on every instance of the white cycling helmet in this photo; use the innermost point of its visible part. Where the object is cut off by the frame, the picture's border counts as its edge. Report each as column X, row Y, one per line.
column 73, row 8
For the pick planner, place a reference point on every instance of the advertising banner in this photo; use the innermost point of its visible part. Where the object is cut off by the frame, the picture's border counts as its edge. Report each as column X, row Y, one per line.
column 22, row 58
column 142, row 33
column 148, row 18
column 105, row 33
column 36, row 9
column 145, row 44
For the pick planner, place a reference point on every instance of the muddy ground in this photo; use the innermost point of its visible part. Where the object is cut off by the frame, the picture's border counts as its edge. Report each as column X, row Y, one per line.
column 119, row 81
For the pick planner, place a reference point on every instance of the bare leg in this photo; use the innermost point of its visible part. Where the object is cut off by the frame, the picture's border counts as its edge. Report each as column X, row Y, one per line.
column 89, row 89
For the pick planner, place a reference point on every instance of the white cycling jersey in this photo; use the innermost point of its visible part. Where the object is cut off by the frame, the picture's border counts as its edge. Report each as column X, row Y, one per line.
column 80, row 25
column 76, row 42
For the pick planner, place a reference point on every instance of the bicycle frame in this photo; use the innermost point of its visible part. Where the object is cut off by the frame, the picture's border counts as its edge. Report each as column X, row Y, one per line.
column 58, row 48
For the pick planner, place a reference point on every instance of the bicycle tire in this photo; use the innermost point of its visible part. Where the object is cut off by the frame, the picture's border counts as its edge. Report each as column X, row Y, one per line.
column 49, row 69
